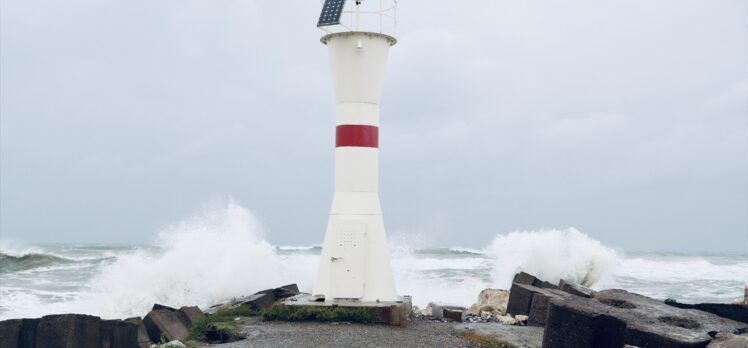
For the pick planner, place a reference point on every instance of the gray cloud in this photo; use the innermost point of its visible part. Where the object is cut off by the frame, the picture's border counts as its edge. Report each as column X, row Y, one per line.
column 627, row 120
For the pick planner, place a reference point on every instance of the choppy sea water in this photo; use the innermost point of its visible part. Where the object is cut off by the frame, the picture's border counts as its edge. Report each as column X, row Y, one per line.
column 222, row 254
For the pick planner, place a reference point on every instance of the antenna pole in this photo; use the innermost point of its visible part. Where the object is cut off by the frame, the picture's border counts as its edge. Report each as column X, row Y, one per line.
column 358, row 15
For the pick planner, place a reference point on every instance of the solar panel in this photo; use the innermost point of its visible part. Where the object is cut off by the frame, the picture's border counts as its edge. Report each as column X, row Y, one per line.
column 331, row 11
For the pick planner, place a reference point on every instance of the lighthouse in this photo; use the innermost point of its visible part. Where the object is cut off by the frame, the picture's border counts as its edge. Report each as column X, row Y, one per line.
column 355, row 261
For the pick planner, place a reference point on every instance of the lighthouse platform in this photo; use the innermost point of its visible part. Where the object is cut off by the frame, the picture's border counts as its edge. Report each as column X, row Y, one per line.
column 394, row 313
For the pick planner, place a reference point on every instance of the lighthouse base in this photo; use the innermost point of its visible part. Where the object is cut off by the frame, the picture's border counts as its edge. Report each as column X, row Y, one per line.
column 355, row 261
column 395, row 313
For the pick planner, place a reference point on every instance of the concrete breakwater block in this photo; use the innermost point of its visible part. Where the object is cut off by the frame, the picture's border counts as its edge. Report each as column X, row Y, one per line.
column 539, row 306
column 736, row 312
column 118, row 334
column 143, row 340
column 521, row 295
column 18, row 332
column 191, row 314
column 260, row 300
column 68, row 331
column 586, row 322
column 578, row 323
column 441, row 311
column 169, row 323
column 649, row 321
column 574, row 289
column 172, row 325
column 529, row 279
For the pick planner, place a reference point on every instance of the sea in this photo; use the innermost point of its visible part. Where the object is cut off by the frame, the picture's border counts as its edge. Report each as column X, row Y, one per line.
column 223, row 252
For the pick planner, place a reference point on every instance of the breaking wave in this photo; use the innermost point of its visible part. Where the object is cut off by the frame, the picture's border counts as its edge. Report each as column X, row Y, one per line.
column 210, row 257
column 15, row 263
column 551, row 255
column 221, row 253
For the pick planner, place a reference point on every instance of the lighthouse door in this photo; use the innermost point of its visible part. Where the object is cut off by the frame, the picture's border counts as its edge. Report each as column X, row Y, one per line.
column 348, row 260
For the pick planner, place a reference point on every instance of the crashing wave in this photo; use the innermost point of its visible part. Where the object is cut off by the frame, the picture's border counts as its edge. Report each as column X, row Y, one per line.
column 551, row 255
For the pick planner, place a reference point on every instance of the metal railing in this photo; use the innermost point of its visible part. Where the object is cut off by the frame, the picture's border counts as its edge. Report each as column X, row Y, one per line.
column 376, row 16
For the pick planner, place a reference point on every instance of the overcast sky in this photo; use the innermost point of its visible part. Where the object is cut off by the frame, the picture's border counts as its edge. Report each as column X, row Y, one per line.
column 625, row 119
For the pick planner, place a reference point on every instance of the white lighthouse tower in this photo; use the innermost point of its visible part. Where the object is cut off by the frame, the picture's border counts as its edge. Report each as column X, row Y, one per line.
column 355, row 263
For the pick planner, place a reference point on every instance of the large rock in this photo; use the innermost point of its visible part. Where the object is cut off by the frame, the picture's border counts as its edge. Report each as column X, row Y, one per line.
column 171, row 325
column 495, row 298
column 143, row 340
column 574, row 288
column 728, row 340
column 118, row 334
column 474, row 309
column 529, row 279
column 575, row 322
column 68, row 331
column 19, row 333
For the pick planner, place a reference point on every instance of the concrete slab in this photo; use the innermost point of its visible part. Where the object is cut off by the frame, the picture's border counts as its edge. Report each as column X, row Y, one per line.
column 395, row 313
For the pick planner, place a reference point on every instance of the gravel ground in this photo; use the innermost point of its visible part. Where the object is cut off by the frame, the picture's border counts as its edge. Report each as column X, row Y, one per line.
column 418, row 334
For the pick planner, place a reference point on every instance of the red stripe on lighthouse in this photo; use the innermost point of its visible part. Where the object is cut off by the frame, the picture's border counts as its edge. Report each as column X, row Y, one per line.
column 356, row 135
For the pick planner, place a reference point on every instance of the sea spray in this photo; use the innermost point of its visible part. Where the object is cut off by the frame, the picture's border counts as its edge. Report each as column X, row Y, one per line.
column 213, row 256
column 210, row 257
column 221, row 253
column 550, row 255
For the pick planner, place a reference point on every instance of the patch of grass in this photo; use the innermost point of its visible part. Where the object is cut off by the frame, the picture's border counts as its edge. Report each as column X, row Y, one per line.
column 224, row 319
column 483, row 341
column 324, row 314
